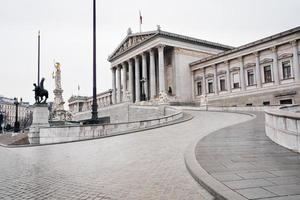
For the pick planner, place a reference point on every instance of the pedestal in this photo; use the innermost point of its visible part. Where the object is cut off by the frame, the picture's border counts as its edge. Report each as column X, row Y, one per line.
column 40, row 119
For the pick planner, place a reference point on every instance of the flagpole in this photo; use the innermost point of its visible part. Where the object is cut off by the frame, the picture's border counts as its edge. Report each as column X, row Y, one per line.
column 38, row 83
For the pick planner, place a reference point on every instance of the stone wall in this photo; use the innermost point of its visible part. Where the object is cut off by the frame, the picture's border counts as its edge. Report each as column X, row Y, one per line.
column 75, row 132
column 283, row 126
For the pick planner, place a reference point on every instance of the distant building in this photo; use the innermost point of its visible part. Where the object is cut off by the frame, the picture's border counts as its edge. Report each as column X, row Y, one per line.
column 8, row 109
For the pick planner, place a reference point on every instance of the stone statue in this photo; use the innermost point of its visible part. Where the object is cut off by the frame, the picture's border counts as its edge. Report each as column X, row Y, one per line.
column 40, row 92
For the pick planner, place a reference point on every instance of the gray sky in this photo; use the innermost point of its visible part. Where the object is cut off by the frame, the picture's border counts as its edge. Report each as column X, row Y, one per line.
column 66, row 31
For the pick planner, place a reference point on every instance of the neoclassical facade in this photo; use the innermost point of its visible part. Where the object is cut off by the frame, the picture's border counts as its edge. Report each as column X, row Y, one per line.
column 264, row 72
column 154, row 66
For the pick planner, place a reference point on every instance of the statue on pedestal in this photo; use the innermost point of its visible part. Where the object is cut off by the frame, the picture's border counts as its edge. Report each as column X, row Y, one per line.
column 40, row 92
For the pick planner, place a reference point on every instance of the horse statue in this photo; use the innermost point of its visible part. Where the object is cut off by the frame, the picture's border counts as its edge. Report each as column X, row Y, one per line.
column 40, row 92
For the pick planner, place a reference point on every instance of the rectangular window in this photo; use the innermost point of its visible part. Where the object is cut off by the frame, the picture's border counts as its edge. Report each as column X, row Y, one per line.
column 236, row 80
column 266, row 103
column 199, row 88
column 286, row 101
column 222, row 84
column 268, row 74
column 286, row 70
column 250, row 75
column 210, row 87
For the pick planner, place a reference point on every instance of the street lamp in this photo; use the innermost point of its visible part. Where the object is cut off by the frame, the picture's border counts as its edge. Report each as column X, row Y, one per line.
column 17, row 123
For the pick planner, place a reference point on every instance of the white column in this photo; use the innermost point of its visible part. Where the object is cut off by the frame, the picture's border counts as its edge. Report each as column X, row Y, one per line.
column 296, row 61
column 144, row 64
column 257, row 70
column 242, row 74
column 119, row 93
column 215, row 79
column 137, row 80
column 204, row 83
column 124, row 80
column 275, row 66
column 228, row 80
column 130, row 86
column 114, row 96
column 152, row 75
column 161, row 67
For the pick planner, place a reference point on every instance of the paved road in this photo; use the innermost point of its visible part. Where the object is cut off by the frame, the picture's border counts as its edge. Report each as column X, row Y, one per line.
column 144, row 165
column 244, row 159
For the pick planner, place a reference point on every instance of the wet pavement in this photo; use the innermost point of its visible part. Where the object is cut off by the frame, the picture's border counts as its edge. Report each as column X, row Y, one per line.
column 142, row 165
column 244, row 159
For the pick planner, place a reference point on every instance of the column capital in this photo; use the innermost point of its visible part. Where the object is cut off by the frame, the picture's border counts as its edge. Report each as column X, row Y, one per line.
column 256, row 53
column 273, row 49
column 161, row 47
column 226, row 62
column 113, row 68
column 144, row 54
column 240, row 58
column 293, row 43
column 151, row 51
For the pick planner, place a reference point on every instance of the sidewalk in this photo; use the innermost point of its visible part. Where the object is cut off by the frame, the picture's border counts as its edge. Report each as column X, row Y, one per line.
column 244, row 160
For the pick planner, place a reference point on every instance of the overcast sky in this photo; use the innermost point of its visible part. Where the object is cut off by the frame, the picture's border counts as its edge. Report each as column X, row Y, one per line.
column 66, row 34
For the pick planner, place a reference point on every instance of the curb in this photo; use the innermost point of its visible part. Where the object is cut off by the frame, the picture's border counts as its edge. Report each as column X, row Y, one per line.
column 186, row 117
column 212, row 185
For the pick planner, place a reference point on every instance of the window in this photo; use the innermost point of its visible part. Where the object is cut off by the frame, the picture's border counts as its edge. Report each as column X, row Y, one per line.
column 199, row 88
column 286, row 70
column 250, row 76
column 266, row 103
column 286, row 101
column 268, row 74
column 222, row 84
column 249, row 104
column 236, row 80
column 210, row 86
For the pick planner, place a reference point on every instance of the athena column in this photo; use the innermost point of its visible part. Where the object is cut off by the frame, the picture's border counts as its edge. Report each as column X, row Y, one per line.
column 257, row 70
column 124, row 80
column 161, row 67
column 296, row 61
column 144, row 63
column 275, row 66
column 130, row 86
column 152, row 75
column 137, row 80
column 114, row 99
column 119, row 84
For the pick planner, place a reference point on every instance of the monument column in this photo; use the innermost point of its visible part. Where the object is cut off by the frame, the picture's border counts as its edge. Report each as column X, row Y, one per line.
column 215, row 80
column 144, row 64
column 152, row 75
column 242, row 74
column 119, row 93
column 228, row 76
column 137, row 80
column 124, row 80
column 130, row 86
column 275, row 66
column 296, row 61
column 257, row 70
column 114, row 94
column 161, row 68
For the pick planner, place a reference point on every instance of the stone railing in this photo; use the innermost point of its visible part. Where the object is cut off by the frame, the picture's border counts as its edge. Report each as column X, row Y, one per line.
column 81, row 132
column 283, row 126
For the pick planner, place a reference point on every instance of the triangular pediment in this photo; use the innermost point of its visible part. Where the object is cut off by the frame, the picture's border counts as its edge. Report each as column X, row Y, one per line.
column 131, row 41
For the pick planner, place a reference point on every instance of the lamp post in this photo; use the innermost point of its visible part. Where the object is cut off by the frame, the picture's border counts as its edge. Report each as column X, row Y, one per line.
column 17, row 123
column 94, row 105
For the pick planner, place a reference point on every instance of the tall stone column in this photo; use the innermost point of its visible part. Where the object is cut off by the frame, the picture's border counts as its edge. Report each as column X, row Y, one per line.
column 114, row 94
column 152, row 75
column 130, row 86
column 296, row 60
column 161, row 67
column 144, row 64
column 228, row 81
column 204, row 83
column 257, row 70
column 124, row 81
column 275, row 66
column 137, row 80
column 242, row 74
column 215, row 80
column 119, row 93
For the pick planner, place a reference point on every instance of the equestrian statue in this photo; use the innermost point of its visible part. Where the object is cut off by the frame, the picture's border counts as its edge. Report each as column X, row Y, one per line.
column 40, row 92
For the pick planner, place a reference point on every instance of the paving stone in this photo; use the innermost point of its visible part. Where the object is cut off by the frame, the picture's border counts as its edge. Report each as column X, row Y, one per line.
column 284, row 189
column 255, row 193
column 294, row 197
column 249, row 183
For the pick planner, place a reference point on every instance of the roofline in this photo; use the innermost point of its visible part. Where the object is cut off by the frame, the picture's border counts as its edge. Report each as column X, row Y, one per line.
column 249, row 45
column 168, row 34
